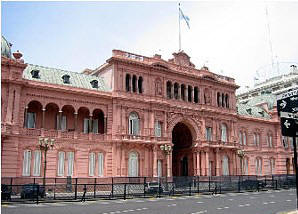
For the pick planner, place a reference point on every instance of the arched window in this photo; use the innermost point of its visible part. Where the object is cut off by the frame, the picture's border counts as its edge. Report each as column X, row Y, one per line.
column 256, row 139
column 245, row 166
column 224, row 137
column 133, row 165
column 244, row 138
column 134, row 124
column 196, row 95
column 183, row 92
column 258, row 166
column 222, row 100
column 169, row 89
column 189, row 93
column 176, row 93
column 218, row 99
column 269, row 140
column 271, row 166
column 225, row 165
column 227, row 100
column 140, row 85
column 240, row 138
column 127, row 82
column 134, row 83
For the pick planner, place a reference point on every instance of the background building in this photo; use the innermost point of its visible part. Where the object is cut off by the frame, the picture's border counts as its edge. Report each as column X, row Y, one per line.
column 133, row 116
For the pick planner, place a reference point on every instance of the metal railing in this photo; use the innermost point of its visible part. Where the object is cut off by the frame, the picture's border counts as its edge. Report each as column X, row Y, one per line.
column 32, row 189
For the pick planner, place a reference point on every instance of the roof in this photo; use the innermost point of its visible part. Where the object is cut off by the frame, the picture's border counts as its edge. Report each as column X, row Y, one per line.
column 270, row 99
column 252, row 111
column 5, row 48
column 54, row 76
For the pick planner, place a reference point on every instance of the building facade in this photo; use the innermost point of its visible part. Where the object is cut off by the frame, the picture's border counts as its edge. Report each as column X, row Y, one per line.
column 133, row 116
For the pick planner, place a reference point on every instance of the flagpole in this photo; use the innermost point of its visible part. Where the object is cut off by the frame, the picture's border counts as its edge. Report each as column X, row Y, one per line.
column 179, row 29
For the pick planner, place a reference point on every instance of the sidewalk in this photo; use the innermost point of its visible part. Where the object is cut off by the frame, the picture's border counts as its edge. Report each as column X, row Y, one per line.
column 288, row 212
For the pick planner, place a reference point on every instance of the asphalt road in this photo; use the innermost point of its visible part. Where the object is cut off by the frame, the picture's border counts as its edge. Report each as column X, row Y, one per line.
column 268, row 202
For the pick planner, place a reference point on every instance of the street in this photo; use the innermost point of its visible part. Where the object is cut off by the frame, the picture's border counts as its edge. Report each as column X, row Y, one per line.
column 264, row 202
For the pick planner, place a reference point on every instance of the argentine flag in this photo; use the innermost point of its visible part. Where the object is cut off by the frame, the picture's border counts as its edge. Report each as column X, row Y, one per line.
column 186, row 18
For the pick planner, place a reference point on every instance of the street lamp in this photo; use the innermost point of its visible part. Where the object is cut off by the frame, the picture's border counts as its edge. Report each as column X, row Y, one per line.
column 167, row 150
column 241, row 154
column 45, row 144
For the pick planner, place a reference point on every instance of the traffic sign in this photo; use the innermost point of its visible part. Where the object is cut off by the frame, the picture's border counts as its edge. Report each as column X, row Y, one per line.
column 288, row 102
column 289, row 124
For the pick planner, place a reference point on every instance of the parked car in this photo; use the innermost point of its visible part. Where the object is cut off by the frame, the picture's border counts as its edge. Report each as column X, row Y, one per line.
column 5, row 192
column 153, row 188
column 32, row 190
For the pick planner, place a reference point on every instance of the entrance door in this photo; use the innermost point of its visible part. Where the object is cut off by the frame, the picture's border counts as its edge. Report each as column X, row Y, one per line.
column 184, row 167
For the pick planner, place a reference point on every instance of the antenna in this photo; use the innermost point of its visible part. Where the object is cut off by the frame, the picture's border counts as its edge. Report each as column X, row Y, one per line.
column 269, row 37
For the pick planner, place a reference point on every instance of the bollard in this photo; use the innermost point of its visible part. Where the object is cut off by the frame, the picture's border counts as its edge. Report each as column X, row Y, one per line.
column 198, row 185
column 159, row 187
column 76, row 189
column 124, row 197
column 144, row 187
column 112, row 188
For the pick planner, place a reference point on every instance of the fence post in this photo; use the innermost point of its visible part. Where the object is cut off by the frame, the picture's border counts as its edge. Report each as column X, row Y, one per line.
column 144, row 187
column 189, row 188
column 159, row 186
column 37, row 192
column 55, row 189
column 239, row 184
column 112, row 193
column 124, row 192
column 209, row 183
column 198, row 185
column 76, row 189
column 94, row 187
column 220, row 185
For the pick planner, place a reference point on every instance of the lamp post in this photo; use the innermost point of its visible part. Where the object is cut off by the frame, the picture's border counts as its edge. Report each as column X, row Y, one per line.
column 241, row 154
column 166, row 149
column 45, row 144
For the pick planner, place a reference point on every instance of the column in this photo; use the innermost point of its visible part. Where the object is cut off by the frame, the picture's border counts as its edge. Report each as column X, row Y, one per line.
column 207, row 163
column 25, row 117
column 105, row 125
column 192, row 95
column 43, row 118
column 203, row 165
column 198, row 164
column 76, row 121
column 60, row 119
column 90, row 123
column 123, row 164
column 154, row 161
column 194, row 155
column 172, row 91
column 217, row 162
column 168, row 165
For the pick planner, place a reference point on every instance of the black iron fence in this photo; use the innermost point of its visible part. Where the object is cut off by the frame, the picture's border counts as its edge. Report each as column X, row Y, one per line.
column 32, row 189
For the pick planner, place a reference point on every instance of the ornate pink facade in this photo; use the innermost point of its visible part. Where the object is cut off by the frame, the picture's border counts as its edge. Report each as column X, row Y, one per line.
column 112, row 121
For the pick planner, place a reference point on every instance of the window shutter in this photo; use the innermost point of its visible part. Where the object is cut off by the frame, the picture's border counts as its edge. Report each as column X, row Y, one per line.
column 86, row 125
column 95, row 126
column 61, row 156
column 70, row 156
column 63, row 123
column 100, row 164
column 26, row 163
column 37, row 161
column 91, row 164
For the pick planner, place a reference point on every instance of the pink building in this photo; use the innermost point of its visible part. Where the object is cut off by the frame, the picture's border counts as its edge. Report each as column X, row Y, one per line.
column 134, row 116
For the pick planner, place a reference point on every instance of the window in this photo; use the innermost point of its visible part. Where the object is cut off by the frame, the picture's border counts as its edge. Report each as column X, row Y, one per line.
column 183, row 92
column 140, row 85
column 94, row 83
column 37, row 161
column 244, row 138
column 26, row 163
column 227, row 101
column 133, row 165
column 223, row 100
column 196, row 95
column 61, row 157
column 223, row 133
column 127, row 82
column 176, row 87
column 285, row 142
column 134, row 83
column 189, row 93
column 31, row 118
column 157, row 129
column 245, row 166
column 86, row 126
column 63, row 122
column 256, row 139
column 95, row 126
column 240, row 138
column 258, row 165
column 100, row 164
column 208, row 133
column 169, row 90
column 133, row 124
column 35, row 74
column 70, row 158
column 218, row 99
column 271, row 166
column 269, row 140
column 91, row 164
column 225, row 165
column 66, row 79
column 159, row 168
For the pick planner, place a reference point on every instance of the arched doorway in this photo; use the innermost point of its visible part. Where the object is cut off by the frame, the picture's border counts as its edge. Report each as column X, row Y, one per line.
column 182, row 153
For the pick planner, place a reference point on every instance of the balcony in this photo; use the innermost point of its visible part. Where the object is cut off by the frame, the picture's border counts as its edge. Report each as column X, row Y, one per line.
column 220, row 144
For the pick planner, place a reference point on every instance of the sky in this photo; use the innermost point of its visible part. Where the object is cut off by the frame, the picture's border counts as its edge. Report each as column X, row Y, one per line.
column 231, row 37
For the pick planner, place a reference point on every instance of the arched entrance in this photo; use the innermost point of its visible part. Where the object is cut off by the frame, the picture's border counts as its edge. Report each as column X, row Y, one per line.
column 182, row 153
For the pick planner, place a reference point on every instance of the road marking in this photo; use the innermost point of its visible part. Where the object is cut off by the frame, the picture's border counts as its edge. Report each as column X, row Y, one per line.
column 140, row 201
column 272, row 202
column 289, row 200
column 139, row 209
column 9, row 206
column 117, row 211
column 131, row 210
column 104, row 202
column 125, row 211
column 231, row 199
column 265, row 203
column 200, row 202
column 172, row 205
column 170, row 199
column 219, row 208
column 145, row 208
column 247, row 205
column 291, row 194
column 226, row 207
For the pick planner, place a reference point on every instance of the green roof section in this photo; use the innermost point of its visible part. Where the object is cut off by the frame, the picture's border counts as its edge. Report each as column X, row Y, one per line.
column 55, row 76
column 270, row 99
column 5, row 48
column 252, row 111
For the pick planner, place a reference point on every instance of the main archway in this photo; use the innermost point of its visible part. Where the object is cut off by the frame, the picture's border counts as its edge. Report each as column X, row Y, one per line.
column 182, row 153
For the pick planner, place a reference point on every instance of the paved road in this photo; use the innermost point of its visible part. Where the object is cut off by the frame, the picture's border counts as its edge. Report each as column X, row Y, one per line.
column 269, row 202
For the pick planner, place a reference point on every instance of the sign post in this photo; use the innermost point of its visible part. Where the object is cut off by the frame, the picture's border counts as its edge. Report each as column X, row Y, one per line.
column 287, row 107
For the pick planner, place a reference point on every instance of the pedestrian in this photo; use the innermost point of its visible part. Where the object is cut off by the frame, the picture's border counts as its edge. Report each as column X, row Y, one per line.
column 84, row 194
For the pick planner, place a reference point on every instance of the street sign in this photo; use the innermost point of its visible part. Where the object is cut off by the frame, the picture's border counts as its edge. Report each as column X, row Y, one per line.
column 289, row 124
column 288, row 102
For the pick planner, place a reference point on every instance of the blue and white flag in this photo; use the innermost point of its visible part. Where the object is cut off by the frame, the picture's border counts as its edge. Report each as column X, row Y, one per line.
column 186, row 18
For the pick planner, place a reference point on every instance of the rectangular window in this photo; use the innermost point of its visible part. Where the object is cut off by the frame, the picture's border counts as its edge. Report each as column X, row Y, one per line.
column 91, row 164
column 86, row 125
column 70, row 159
column 37, row 161
column 270, row 141
column 31, row 119
column 63, row 123
column 95, row 126
column 208, row 133
column 61, row 156
column 258, row 140
column 100, row 164
column 244, row 138
column 157, row 129
column 223, row 133
column 255, row 139
column 159, row 168
column 240, row 138
column 26, row 163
